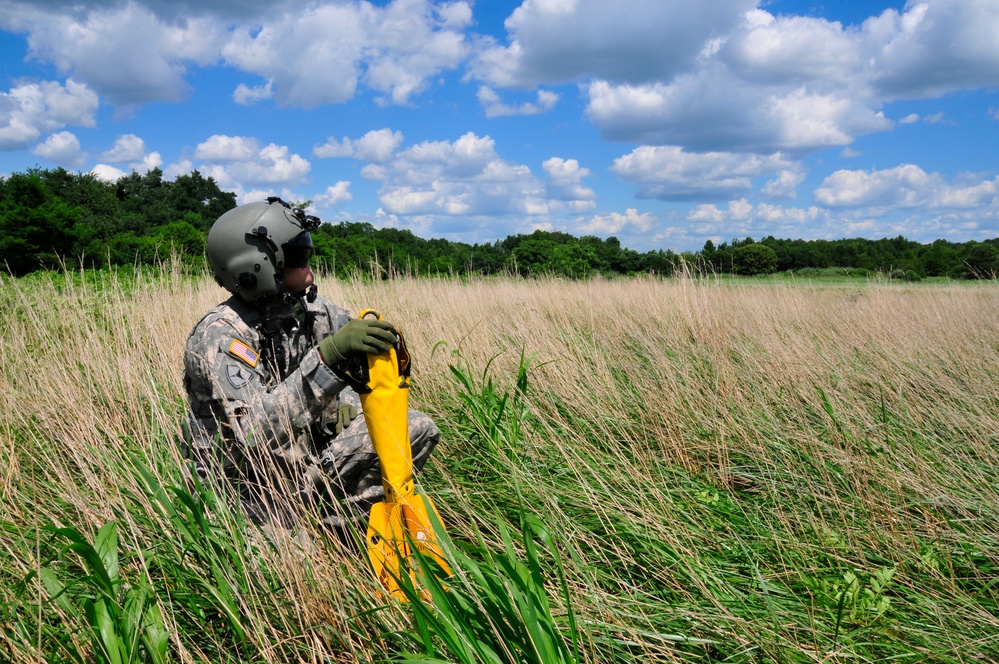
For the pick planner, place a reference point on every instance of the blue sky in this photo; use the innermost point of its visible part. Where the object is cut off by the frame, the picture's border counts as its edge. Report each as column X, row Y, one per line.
column 664, row 123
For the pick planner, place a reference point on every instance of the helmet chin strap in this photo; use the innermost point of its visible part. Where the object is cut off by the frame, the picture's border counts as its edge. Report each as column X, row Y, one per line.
column 310, row 294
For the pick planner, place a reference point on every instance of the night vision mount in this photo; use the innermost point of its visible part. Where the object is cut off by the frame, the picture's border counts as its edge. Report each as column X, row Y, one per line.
column 309, row 222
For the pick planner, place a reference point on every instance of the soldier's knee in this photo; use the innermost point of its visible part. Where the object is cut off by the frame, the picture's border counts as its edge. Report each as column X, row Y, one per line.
column 423, row 435
column 421, row 426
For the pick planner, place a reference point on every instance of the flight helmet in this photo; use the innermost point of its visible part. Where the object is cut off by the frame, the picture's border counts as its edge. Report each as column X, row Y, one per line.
column 250, row 246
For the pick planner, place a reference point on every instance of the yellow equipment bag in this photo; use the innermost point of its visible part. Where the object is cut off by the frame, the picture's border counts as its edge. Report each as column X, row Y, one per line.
column 403, row 520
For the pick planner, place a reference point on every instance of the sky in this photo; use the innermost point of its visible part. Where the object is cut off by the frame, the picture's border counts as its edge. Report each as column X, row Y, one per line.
column 664, row 123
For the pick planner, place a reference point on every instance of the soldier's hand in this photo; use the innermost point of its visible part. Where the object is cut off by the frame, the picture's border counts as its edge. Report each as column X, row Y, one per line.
column 359, row 336
column 345, row 415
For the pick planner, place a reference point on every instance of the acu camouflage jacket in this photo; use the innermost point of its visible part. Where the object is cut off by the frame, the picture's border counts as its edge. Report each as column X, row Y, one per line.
column 257, row 388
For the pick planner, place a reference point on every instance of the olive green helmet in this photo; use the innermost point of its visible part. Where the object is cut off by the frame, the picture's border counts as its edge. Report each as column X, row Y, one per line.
column 249, row 246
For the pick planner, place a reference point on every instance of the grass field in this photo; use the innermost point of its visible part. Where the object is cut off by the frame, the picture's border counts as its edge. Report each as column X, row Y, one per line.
column 630, row 470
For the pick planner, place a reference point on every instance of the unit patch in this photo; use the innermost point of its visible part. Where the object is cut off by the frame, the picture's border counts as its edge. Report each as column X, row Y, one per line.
column 238, row 376
column 240, row 350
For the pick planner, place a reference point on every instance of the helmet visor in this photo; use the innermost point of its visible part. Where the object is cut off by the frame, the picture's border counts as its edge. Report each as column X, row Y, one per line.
column 298, row 250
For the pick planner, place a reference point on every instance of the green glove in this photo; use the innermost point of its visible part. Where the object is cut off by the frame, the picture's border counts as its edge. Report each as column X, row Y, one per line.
column 345, row 415
column 359, row 336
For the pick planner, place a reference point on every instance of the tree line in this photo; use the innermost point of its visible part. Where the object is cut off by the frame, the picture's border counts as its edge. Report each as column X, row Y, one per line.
column 54, row 219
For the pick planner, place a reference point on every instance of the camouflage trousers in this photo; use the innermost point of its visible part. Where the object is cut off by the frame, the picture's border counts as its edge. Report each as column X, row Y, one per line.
column 352, row 466
column 348, row 480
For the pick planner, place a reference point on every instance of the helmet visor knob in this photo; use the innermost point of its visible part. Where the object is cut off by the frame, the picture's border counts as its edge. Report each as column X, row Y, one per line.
column 298, row 250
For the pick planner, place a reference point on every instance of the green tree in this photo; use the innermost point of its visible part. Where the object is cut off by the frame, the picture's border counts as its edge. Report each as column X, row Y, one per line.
column 200, row 195
column 130, row 249
column 658, row 262
column 754, row 258
column 573, row 260
column 101, row 214
column 980, row 262
column 609, row 256
column 146, row 197
column 938, row 259
column 533, row 254
column 182, row 237
column 486, row 258
column 37, row 228
column 708, row 254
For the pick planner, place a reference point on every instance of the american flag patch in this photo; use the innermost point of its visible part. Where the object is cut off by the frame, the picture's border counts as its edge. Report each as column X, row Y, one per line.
column 238, row 349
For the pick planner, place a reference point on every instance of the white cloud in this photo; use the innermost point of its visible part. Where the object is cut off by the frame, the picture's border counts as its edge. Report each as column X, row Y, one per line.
column 905, row 186
column 127, row 147
column 565, row 184
column 471, row 156
column 718, row 75
column 375, row 146
column 149, row 162
column 464, row 177
column 726, row 76
column 436, row 198
column 714, row 110
column 309, row 59
column 130, row 149
column 455, row 15
column 973, row 195
column 650, row 40
column 614, row 223
column 377, row 172
column 792, row 51
column 31, row 109
column 670, row 173
column 933, row 48
column 784, row 185
column 412, row 44
column 107, row 173
column 777, row 213
column 62, row 148
column 805, row 120
column 909, row 119
column 740, row 219
column 320, row 55
column 712, row 75
column 246, row 95
column 148, row 55
column 272, row 165
column 238, row 160
column 378, row 145
column 334, row 148
column 495, row 108
column 182, row 167
column 244, row 196
column 308, row 56
column 334, row 195
column 16, row 132
column 223, row 178
column 706, row 212
column 227, row 148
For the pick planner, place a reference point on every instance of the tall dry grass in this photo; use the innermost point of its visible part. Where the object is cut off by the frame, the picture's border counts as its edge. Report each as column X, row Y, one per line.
column 730, row 470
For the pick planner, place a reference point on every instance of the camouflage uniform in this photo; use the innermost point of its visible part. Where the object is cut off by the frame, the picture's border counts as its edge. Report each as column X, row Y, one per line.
column 264, row 408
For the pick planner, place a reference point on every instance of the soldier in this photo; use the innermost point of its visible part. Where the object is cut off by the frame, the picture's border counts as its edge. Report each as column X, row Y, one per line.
column 269, row 410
